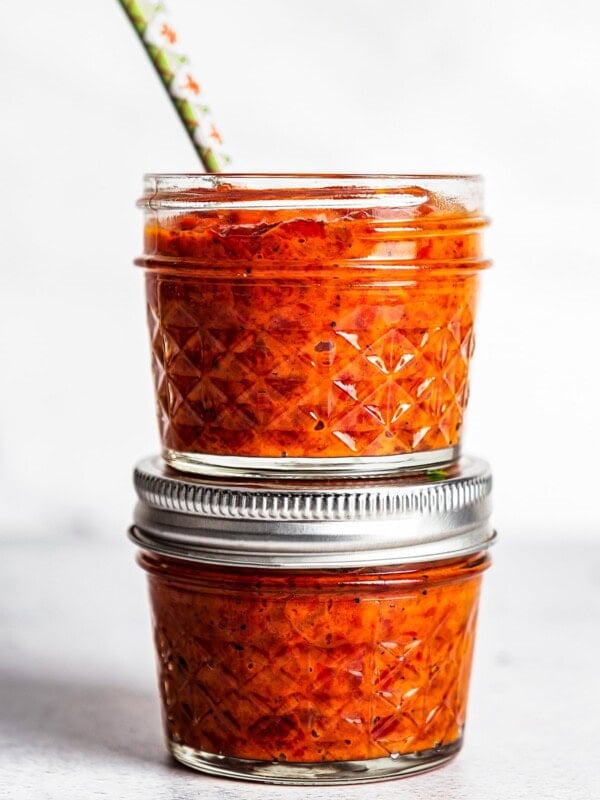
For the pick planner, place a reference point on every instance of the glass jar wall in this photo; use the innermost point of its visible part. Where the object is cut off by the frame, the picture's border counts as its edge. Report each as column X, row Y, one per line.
column 311, row 324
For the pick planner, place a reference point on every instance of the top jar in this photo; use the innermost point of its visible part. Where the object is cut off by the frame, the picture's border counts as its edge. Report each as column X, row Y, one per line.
column 311, row 324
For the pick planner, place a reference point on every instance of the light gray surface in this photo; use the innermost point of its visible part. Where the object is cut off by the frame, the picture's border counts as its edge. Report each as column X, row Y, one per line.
column 79, row 716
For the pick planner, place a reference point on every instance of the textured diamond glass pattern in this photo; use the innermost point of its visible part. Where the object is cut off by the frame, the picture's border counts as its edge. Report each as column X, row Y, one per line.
column 315, row 667
column 248, row 370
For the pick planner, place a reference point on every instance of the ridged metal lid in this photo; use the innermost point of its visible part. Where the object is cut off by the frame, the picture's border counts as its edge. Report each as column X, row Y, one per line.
column 415, row 517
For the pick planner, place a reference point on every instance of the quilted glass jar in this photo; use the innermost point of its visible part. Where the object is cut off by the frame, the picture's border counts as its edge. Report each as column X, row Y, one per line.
column 311, row 324
column 314, row 634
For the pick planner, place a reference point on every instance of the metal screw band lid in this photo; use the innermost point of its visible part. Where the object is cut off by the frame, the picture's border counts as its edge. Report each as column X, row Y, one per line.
column 413, row 517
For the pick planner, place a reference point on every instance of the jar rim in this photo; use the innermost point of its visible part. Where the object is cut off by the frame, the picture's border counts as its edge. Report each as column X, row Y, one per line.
column 299, row 177
column 350, row 190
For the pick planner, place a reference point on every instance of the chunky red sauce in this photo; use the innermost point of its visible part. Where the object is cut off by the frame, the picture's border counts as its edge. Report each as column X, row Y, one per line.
column 317, row 666
column 312, row 333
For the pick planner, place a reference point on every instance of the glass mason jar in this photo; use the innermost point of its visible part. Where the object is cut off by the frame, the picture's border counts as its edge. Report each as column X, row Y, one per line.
column 311, row 324
column 314, row 633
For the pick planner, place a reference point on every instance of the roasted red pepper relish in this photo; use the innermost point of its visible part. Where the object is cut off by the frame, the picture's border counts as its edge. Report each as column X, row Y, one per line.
column 313, row 666
column 311, row 332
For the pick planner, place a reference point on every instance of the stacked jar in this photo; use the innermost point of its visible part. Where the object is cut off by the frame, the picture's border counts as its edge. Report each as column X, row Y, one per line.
column 313, row 538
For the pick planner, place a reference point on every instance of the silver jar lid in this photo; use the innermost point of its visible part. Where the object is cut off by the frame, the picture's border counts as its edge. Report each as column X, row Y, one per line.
column 410, row 518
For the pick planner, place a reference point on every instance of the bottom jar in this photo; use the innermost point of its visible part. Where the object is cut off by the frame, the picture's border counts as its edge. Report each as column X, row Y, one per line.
column 307, row 675
column 351, row 673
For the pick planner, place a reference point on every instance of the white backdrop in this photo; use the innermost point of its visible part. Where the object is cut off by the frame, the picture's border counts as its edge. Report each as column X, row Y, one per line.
column 506, row 89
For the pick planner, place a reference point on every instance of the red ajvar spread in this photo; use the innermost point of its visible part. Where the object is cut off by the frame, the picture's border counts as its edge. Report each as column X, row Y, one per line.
column 312, row 333
column 320, row 666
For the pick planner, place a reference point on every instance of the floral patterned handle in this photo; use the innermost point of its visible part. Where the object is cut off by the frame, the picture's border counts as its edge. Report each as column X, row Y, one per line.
column 161, row 42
